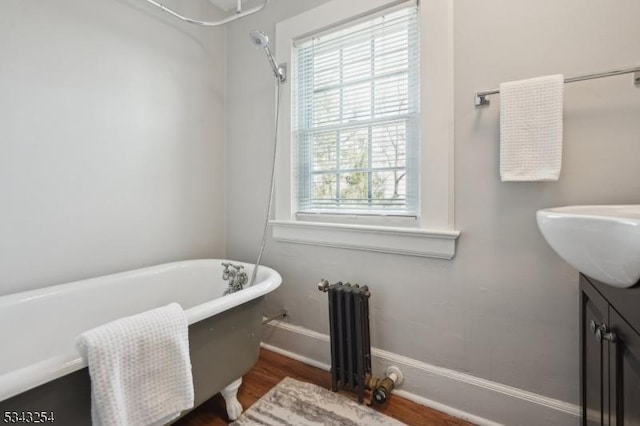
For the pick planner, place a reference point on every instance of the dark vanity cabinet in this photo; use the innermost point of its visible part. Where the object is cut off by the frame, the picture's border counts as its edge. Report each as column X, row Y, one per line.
column 609, row 354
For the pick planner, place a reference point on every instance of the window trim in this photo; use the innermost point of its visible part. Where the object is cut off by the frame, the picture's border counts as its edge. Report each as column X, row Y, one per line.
column 434, row 226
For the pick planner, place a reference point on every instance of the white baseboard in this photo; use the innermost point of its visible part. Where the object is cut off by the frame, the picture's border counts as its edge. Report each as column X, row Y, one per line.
column 461, row 395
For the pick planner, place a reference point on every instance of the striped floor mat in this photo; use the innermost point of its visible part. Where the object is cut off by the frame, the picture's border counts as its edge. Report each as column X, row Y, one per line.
column 294, row 403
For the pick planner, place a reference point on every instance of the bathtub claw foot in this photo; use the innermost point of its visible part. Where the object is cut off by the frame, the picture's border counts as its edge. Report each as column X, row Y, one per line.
column 230, row 395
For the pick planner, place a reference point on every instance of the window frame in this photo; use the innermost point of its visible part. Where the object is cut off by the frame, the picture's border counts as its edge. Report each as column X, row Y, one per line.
column 432, row 232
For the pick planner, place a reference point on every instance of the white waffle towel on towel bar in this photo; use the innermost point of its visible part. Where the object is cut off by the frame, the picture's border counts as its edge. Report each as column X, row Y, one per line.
column 531, row 129
column 140, row 368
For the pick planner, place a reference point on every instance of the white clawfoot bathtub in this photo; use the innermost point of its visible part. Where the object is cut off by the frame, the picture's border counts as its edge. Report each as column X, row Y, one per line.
column 41, row 370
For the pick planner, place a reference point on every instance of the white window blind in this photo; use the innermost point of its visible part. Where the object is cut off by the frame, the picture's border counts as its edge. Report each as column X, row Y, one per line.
column 356, row 109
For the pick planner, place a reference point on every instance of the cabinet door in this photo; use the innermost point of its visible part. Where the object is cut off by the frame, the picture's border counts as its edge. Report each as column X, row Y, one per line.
column 594, row 358
column 624, row 373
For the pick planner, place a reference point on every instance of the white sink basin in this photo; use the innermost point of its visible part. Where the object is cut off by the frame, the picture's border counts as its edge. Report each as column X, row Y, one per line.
column 602, row 242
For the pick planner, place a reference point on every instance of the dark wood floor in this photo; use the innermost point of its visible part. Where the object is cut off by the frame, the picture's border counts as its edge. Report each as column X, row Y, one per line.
column 272, row 368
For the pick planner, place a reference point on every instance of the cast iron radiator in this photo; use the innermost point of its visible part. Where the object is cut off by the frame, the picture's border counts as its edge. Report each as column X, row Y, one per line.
column 350, row 340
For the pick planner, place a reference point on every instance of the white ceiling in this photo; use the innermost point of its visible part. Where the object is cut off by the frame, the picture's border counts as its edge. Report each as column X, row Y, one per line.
column 225, row 4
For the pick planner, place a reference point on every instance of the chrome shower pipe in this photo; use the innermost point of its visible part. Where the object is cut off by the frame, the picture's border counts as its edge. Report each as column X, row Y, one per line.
column 210, row 23
column 272, row 185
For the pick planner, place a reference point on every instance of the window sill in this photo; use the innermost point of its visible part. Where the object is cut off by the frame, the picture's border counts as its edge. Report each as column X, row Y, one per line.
column 406, row 241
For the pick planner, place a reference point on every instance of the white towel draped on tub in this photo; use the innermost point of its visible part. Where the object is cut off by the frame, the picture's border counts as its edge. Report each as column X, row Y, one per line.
column 140, row 368
column 531, row 129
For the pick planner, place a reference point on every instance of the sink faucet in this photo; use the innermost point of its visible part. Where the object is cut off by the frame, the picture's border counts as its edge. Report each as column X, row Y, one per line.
column 236, row 276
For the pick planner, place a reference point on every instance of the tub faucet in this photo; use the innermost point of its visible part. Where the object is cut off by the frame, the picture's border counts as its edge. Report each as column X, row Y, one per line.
column 236, row 276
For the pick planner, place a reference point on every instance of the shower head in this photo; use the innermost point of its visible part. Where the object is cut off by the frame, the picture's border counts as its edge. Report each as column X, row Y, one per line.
column 260, row 39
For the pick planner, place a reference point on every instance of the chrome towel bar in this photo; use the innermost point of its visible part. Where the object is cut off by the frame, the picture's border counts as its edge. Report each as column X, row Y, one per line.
column 481, row 97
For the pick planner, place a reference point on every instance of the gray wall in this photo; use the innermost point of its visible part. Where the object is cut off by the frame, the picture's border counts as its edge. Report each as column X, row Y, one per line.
column 111, row 139
column 506, row 308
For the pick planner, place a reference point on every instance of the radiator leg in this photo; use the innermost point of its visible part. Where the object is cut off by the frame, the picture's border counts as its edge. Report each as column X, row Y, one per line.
column 334, row 344
column 230, row 395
